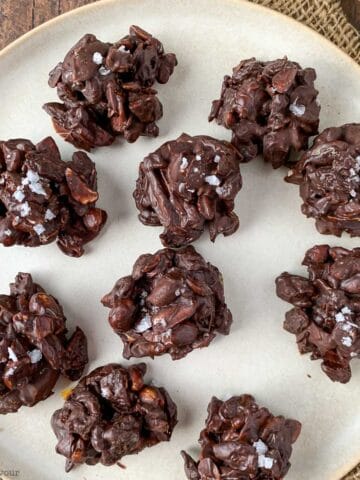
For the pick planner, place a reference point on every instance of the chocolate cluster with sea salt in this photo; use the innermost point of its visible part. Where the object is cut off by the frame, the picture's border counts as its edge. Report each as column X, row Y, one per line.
column 270, row 107
column 243, row 441
column 173, row 302
column 329, row 178
column 44, row 199
column 187, row 185
column 34, row 348
column 326, row 314
column 106, row 91
column 112, row 413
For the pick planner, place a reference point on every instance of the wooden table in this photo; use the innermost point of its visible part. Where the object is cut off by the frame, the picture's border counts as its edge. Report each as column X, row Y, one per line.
column 19, row 16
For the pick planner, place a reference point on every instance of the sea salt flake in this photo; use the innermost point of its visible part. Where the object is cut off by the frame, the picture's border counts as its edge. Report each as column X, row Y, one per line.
column 7, row 232
column 297, row 109
column 105, row 392
column 346, row 310
column 357, row 166
column 197, row 157
column 195, row 170
column 212, row 180
column 181, row 187
column 184, row 163
column 122, row 48
column 25, row 209
column 346, row 327
column 37, row 188
column 35, row 355
column 19, row 194
column 49, row 215
column 143, row 325
column 261, row 447
column 353, row 193
column 217, row 158
column 177, row 292
column 97, row 58
column 353, row 354
column 339, row 317
column 32, row 176
column 12, row 355
column 144, row 294
column 347, row 341
column 39, row 229
column 265, row 462
column 10, row 371
column 104, row 71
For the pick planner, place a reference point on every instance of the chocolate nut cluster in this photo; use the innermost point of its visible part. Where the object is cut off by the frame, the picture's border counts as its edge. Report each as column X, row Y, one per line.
column 189, row 184
column 106, row 89
column 34, row 348
column 326, row 314
column 173, row 302
column 112, row 413
column 328, row 175
column 270, row 107
column 43, row 198
column 243, row 441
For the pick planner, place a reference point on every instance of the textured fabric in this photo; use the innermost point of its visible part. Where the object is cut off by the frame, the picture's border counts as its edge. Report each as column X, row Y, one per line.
column 324, row 16
column 327, row 18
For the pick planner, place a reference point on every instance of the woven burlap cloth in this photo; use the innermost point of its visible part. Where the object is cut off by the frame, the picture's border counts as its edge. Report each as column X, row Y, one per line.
column 326, row 17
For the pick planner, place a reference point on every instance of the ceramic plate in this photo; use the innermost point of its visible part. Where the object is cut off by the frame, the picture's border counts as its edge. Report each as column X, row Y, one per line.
column 258, row 357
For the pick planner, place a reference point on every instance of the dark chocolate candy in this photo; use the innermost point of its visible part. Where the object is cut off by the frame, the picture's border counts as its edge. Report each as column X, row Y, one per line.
column 172, row 303
column 242, row 441
column 187, row 185
column 43, row 199
column 34, row 348
column 270, row 107
column 112, row 413
column 326, row 313
column 329, row 179
column 106, row 89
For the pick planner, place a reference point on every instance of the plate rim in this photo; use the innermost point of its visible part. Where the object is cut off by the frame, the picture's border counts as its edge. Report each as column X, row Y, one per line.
column 8, row 50
column 12, row 47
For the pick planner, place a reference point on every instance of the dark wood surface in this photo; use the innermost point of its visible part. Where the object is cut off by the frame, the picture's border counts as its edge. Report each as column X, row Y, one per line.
column 19, row 16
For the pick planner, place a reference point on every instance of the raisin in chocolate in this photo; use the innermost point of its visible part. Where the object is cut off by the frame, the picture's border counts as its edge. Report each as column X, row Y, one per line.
column 270, row 107
column 34, row 348
column 187, row 185
column 326, row 314
column 242, row 440
column 329, row 179
column 172, row 303
column 44, row 199
column 112, row 413
column 106, row 89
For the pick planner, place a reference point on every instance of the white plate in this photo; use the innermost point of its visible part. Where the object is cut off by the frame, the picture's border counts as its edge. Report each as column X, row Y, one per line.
column 209, row 38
